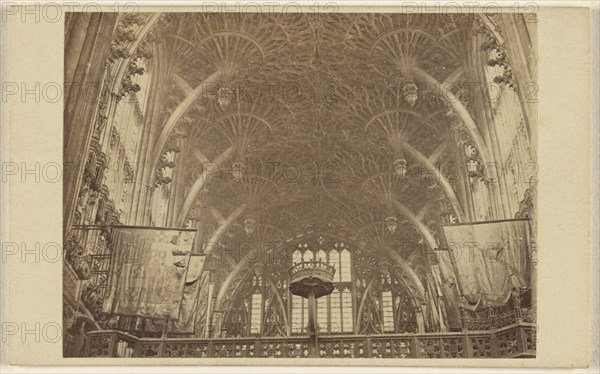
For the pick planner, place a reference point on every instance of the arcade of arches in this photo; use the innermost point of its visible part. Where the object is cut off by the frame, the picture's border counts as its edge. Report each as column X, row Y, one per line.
column 351, row 140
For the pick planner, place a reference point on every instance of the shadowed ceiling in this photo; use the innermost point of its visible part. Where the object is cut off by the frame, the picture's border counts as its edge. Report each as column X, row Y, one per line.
column 311, row 115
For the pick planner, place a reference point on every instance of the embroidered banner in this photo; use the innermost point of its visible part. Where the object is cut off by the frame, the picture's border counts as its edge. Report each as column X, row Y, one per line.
column 194, row 293
column 490, row 258
column 189, row 305
column 148, row 272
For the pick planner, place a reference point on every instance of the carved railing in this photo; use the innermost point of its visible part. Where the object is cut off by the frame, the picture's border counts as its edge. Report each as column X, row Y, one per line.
column 495, row 318
column 515, row 341
column 110, row 344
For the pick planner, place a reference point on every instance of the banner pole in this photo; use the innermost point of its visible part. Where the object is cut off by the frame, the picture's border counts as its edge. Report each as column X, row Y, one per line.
column 164, row 329
column 163, row 336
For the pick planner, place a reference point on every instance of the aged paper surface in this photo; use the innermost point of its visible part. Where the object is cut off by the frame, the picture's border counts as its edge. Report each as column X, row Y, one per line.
column 36, row 170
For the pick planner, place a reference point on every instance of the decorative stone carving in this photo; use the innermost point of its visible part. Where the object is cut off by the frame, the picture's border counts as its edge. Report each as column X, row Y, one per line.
column 165, row 163
column 132, row 19
column 224, row 96
column 527, row 205
column 133, row 69
column 400, row 166
column 102, row 119
column 144, row 50
column 250, row 225
column 92, row 299
column 498, row 57
column 93, row 175
column 410, row 93
column 76, row 256
column 124, row 35
column 117, row 51
column 128, row 88
column 172, row 144
column 160, row 179
column 128, row 172
column 139, row 115
column 114, row 138
column 391, row 224
column 506, row 78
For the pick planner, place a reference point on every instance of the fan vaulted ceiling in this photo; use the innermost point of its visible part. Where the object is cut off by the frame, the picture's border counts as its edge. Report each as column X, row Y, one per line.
column 314, row 112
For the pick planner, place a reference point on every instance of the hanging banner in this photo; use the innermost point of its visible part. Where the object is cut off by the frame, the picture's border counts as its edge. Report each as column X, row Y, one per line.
column 189, row 304
column 489, row 258
column 444, row 280
column 203, row 306
column 148, row 272
column 196, row 285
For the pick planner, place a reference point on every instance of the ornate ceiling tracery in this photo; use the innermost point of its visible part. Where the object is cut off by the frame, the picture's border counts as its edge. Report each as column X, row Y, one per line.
column 311, row 120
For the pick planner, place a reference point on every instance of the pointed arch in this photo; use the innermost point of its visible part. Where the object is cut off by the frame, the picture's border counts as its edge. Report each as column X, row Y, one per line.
column 222, row 227
column 440, row 178
column 197, row 186
column 176, row 115
column 444, row 91
column 427, row 235
column 152, row 20
column 251, row 256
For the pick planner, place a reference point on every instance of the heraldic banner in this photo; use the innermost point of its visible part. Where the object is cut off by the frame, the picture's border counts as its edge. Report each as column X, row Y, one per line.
column 490, row 259
column 196, row 285
column 148, row 272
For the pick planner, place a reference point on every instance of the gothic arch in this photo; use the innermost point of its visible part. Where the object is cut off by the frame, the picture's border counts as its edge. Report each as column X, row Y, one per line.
column 245, row 266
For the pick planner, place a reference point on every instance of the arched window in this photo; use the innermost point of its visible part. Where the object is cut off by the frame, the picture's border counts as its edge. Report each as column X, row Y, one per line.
column 296, row 257
column 387, row 306
column 246, row 317
column 321, row 256
column 256, row 312
column 308, row 255
column 397, row 312
column 257, row 307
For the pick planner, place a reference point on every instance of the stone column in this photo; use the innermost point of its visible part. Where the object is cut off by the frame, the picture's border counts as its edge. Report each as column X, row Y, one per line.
column 85, row 56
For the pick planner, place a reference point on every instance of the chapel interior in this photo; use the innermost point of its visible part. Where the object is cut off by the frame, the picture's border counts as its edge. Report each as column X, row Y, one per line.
column 322, row 161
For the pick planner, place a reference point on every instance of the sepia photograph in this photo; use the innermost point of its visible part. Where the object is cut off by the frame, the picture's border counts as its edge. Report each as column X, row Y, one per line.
column 287, row 187
column 287, row 184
